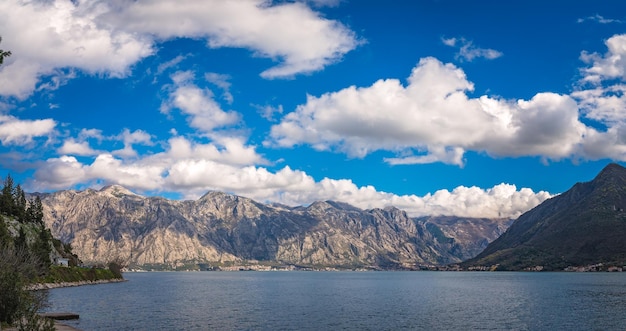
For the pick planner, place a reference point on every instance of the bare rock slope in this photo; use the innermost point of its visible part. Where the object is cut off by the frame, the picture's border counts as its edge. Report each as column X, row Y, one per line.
column 116, row 224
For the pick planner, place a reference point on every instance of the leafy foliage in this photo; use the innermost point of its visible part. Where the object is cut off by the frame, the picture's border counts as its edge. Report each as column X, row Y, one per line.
column 3, row 53
column 23, row 258
column 18, row 268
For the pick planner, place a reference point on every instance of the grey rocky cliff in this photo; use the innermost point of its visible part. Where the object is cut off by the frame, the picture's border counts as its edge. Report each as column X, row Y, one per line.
column 116, row 224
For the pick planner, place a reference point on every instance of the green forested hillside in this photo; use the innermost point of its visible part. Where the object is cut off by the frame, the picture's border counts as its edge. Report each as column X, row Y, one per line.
column 584, row 226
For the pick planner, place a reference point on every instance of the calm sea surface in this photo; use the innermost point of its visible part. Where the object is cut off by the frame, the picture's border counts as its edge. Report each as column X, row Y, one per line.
column 350, row 301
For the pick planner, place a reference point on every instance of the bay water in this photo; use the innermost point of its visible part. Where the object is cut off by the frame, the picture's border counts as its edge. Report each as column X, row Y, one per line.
column 349, row 301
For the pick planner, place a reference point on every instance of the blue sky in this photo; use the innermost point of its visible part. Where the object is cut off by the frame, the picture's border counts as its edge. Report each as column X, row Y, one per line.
column 462, row 108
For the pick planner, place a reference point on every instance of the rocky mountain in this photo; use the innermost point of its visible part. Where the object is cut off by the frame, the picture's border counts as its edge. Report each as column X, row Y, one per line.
column 585, row 225
column 470, row 235
column 221, row 229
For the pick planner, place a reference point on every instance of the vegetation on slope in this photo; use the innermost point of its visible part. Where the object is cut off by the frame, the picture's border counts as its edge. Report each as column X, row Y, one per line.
column 59, row 274
column 584, row 226
column 27, row 250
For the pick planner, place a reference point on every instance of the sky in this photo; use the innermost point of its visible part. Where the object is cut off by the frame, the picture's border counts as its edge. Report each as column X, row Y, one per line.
column 437, row 107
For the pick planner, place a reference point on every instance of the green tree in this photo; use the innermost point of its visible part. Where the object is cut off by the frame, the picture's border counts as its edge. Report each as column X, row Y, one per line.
column 3, row 53
column 34, row 211
column 38, row 211
column 19, row 199
column 21, row 243
column 6, row 241
column 18, row 269
column 41, row 249
column 7, row 202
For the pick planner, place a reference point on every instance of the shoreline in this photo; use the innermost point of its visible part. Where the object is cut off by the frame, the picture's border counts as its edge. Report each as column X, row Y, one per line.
column 47, row 286
column 57, row 326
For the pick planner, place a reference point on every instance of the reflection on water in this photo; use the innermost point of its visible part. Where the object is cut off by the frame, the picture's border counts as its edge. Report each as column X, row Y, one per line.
column 350, row 301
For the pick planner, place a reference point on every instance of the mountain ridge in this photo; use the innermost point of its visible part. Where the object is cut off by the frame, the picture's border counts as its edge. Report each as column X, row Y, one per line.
column 585, row 225
column 219, row 228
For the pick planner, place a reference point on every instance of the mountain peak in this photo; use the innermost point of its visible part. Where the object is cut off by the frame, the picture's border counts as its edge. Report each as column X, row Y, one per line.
column 218, row 196
column 612, row 171
column 116, row 190
column 583, row 226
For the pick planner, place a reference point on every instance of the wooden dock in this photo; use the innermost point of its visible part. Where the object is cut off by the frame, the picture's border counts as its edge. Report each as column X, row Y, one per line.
column 62, row 316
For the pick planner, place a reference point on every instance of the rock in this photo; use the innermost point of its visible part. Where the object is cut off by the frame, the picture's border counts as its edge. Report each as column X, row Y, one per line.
column 116, row 224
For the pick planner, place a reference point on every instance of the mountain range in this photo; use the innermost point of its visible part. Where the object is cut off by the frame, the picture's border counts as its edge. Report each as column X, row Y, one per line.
column 219, row 230
column 584, row 226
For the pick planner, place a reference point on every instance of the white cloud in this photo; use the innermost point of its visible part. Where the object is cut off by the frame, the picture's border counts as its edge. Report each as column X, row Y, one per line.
column 107, row 38
column 203, row 111
column 449, row 41
column 147, row 172
column 608, row 144
column 73, row 147
column 131, row 138
column 269, row 112
column 224, row 150
column 598, row 18
column 91, row 133
column 135, row 137
column 140, row 175
column 290, row 32
column 80, row 146
column 192, row 170
column 603, row 104
column 221, row 81
column 602, row 89
column 66, row 35
column 14, row 131
column 227, row 164
column 59, row 173
column 608, row 66
column 601, row 98
column 434, row 117
column 468, row 51
column 448, row 155
column 169, row 64
column 499, row 201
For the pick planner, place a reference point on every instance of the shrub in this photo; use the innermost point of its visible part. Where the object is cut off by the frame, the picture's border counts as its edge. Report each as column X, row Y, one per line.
column 18, row 268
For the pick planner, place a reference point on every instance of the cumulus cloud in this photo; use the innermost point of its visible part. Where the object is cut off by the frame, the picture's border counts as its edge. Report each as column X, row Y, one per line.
column 66, row 35
column 131, row 138
column 468, row 51
column 145, row 172
column 224, row 150
column 269, row 112
column 15, row 131
column 432, row 119
column 601, row 98
column 73, row 147
column 107, row 38
column 59, row 173
column 203, row 111
column 192, row 169
column 81, row 146
column 503, row 200
column 292, row 32
column 605, row 104
column 91, row 133
column 611, row 65
column 601, row 92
